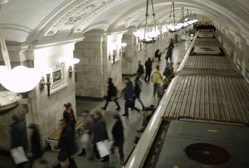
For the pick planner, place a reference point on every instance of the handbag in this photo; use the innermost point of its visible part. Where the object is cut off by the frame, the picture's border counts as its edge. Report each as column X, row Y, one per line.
column 130, row 103
column 85, row 140
column 104, row 148
column 18, row 155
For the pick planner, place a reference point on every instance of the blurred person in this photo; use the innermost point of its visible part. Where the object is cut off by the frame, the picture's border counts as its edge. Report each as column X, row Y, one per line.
column 118, row 136
column 86, row 139
column 147, row 114
column 140, row 70
column 35, row 141
column 99, row 134
column 67, row 143
column 129, row 96
column 166, row 72
column 158, row 55
column 111, row 95
column 138, row 90
column 18, row 136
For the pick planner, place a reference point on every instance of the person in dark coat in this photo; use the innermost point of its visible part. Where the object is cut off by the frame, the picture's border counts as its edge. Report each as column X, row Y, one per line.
column 68, row 116
column 18, row 135
column 99, row 133
column 118, row 136
column 148, row 69
column 140, row 70
column 158, row 55
column 129, row 97
column 35, row 145
column 67, row 143
column 169, row 52
column 111, row 95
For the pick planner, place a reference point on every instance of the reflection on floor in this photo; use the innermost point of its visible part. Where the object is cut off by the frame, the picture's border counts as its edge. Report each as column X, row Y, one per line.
column 130, row 123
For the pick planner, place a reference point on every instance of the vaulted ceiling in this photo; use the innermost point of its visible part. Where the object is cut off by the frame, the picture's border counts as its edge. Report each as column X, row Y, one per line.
column 32, row 21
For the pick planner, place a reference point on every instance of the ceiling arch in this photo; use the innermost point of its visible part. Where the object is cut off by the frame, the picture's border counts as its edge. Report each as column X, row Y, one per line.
column 26, row 21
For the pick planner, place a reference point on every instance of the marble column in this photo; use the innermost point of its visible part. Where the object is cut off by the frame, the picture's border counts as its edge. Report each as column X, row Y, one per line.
column 130, row 57
column 93, row 57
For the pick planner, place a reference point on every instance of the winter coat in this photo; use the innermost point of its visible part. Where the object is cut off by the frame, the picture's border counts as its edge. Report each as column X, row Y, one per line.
column 67, row 143
column 148, row 65
column 99, row 130
column 18, row 135
column 69, row 118
column 137, row 88
column 140, row 70
column 111, row 92
column 156, row 77
column 128, row 91
column 118, row 133
column 35, row 144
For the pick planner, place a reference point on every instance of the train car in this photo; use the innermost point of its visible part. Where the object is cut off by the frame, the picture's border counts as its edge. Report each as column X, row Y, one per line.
column 202, row 119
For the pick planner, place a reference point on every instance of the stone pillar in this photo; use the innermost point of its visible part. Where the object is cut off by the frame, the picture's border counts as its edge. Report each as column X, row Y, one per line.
column 130, row 58
column 93, row 55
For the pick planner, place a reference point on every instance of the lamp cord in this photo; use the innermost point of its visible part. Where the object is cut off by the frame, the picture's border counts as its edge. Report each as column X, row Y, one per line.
column 4, row 50
column 146, row 16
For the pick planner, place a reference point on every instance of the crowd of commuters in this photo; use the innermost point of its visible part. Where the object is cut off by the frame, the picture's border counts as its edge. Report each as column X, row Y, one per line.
column 94, row 125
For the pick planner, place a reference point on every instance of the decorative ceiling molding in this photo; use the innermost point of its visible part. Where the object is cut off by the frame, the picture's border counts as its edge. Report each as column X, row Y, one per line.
column 66, row 17
column 82, row 25
column 77, row 17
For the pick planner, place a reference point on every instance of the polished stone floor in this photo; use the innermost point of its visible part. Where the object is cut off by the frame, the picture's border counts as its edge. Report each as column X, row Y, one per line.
column 131, row 123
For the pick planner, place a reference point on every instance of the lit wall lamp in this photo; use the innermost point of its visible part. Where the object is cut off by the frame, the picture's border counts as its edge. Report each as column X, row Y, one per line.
column 73, row 69
column 113, row 55
column 47, row 82
column 123, row 45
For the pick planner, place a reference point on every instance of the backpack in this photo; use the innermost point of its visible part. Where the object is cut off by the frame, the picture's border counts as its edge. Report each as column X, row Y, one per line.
column 166, row 72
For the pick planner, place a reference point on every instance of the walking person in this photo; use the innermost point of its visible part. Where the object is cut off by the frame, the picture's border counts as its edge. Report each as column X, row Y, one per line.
column 86, row 138
column 148, row 69
column 158, row 55
column 35, row 145
column 118, row 136
column 111, row 95
column 99, row 134
column 138, row 90
column 157, row 79
column 67, row 144
column 169, row 52
column 140, row 70
column 129, row 97
column 18, row 136
column 166, row 72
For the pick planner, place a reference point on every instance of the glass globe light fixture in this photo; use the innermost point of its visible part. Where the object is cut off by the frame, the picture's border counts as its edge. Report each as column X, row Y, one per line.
column 21, row 79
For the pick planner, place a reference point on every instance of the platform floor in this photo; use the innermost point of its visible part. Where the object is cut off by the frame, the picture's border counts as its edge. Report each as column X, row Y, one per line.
column 131, row 123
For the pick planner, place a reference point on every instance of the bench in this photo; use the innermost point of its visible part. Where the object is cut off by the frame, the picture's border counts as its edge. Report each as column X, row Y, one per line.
column 120, row 86
column 54, row 138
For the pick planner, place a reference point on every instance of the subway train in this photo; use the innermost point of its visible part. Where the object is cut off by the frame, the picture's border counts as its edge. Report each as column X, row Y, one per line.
column 202, row 119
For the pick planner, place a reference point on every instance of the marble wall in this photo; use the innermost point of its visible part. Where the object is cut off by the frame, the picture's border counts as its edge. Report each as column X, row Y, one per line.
column 41, row 109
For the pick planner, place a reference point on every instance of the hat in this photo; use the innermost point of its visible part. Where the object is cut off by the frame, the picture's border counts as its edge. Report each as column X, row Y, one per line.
column 116, row 116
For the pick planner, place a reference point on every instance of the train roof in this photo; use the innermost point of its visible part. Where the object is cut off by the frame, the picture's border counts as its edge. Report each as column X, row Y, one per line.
column 209, row 97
